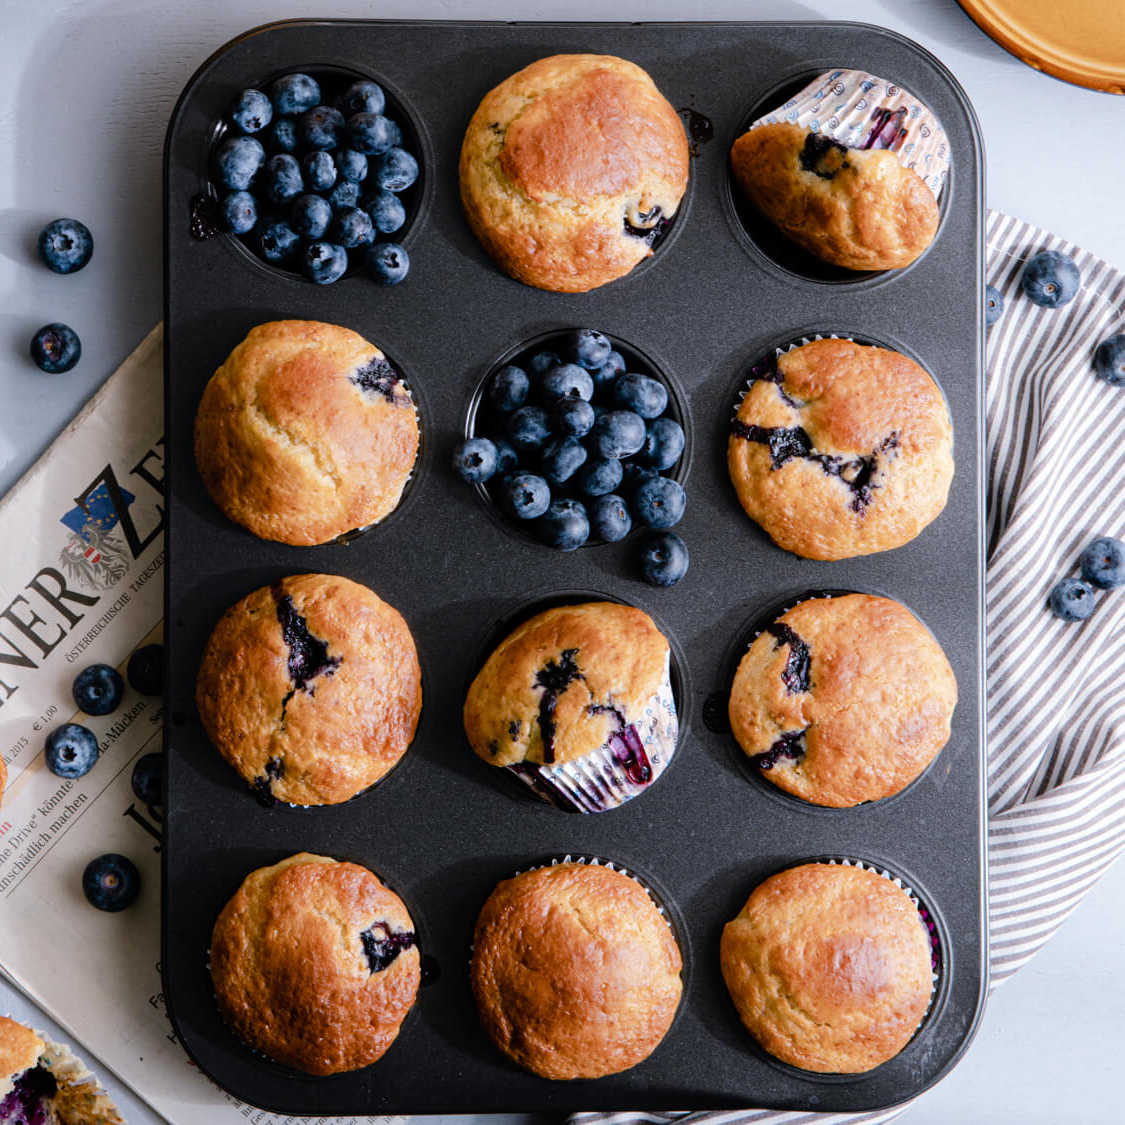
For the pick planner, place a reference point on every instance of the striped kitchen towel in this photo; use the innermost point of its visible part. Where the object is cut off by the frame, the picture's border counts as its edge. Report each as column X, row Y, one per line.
column 1056, row 693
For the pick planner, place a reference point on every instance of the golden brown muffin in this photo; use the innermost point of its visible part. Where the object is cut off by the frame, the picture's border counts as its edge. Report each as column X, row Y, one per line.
column 843, row 700
column 860, row 209
column 829, row 967
column 311, row 689
column 305, row 433
column 842, row 450
column 567, row 169
column 315, row 963
column 574, row 971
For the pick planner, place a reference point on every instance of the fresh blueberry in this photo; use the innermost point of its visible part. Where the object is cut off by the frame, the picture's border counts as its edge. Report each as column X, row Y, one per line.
column 145, row 670
column 321, row 127
column 386, row 211
column 352, row 228
column 1050, row 279
column 993, row 305
column 568, row 380
column 394, row 170
column 388, row 263
column 148, row 779
column 609, row 518
column 528, row 428
column 252, row 111
column 572, row 416
column 344, row 196
column 659, row 503
column 604, row 375
column 350, row 165
column 372, row 133
column 664, row 443
column 1109, row 360
column 564, row 526
column 507, row 389
column 281, row 178
column 294, row 93
column 619, row 433
column 65, row 245
column 56, row 348
column 277, row 241
column 562, row 458
column 111, row 882
column 663, row 558
column 588, row 348
column 634, row 474
column 281, row 136
column 310, row 216
column 641, row 394
column 542, row 362
column 238, row 161
column 599, row 477
column 319, row 170
column 525, row 495
column 363, row 97
column 1103, row 563
column 506, row 456
column 71, row 750
column 97, row 690
column 324, row 262
column 1072, row 599
column 474, row 461
column 238, row 212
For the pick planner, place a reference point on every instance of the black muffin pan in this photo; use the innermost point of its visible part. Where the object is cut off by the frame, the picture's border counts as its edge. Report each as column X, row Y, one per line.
column 444, row 827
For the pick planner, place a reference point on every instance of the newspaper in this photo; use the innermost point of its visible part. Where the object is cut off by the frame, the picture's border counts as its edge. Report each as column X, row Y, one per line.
column 81, row 582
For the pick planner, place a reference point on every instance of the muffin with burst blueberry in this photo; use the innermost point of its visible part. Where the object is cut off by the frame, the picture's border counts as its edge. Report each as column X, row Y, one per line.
column 570, row 169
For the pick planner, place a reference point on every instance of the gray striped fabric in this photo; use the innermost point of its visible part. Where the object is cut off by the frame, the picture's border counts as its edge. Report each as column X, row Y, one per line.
column 1056, row 695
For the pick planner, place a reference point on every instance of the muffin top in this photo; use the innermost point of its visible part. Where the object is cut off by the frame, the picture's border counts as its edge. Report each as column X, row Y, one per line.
column 857, row 208
column 20, row 1048
column 842, row 450
column 305, row 433
column 843, row 700
column 315, row 963
column 575, row 972
column 829, row 967
column 561, row 683
column 567, row 168
column 310, row 688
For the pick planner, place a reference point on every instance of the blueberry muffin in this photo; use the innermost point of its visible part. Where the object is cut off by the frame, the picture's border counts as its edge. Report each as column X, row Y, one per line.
column 577, row 703
column 829, row 967
column 305, row 433
column 575, row 972
column 315, row 963
column 311, row 689
column 569, row 168
column 840, row 450
column 843, row 700
column 857, row 208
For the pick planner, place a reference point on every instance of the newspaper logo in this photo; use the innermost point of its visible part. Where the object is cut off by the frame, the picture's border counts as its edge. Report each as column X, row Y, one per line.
column 93, row 556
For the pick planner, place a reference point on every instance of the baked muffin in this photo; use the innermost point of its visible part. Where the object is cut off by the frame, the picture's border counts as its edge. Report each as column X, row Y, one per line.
column 569, row 168
column 305, row 433
column 840, row 450
column 315, row 963
column 829, row 967
column 577, row 703
column 311, row 689
column 843, row 700
column 575, row 972
column 857, row 208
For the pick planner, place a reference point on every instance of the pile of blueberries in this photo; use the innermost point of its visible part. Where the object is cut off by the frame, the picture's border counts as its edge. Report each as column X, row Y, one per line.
column 307, row 183
column 576, row 446
column 1103, row 567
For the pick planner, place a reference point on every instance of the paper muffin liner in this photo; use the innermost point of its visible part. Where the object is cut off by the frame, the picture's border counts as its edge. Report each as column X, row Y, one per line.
column 863, row 111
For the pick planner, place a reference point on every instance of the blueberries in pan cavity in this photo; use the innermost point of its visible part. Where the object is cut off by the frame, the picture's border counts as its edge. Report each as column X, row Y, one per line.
column 310, row 216
column 97, row 690
column 506, row 456
column 55, row 348
column 609, row 518
column 525, row 495
column 599, row 477
column 1109, row 360
column 633, row 475
column 145, row 670
column 324, row 262
column 568, row 380
column 388, row 263
column 664, row 444
column 386, row 211
column 562, row 458
column 294, row 93
column 643, row 395
column 394, row 170
column 344, row 196
column 65, row 245
column 252, row 111
column 111, row 882
column 659, row 503
column 238, row 161
column 618, row 433
column 1072, row 599
column 70, row 750
column 604, row 376
column 319, row 170
column 542, row 362
column 282, row 179
column 564, row 526
column 1050, row 279
column 508, row 388
column 993, row 305
column 350, row 165
column 372, row 133
column 588, row 348
column 475, row 460
column 363, row 97
column 281, row 136
column 352, row 228
column 238, row 212
column 1103, row 563
column 528, row 428
column 572, row 416
column 321, row 127
column 277, row 241
column 148, row 778
column 663, row 558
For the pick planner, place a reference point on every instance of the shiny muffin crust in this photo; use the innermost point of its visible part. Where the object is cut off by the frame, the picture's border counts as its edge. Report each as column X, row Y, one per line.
column 315, row 963
column 842, row 450
column 860, row 209
column 305, row 433
column 829, row 967
column 559, row 162
column 574, row 971
column 311, row 689
column 843, row 700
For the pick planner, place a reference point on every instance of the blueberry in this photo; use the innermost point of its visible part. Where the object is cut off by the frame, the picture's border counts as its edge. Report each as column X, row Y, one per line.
column 145, row 670
column 363, row 97
column 238, row 161
column 609, row 518
column 319, row 170
column 352, row 228
column 65, row 245
column 599, row 477
column 252, row 111
column 277, row 241
column 321, row 127
column 663, row 558
column 386, row 211
column 238, row 212
column 619, row 433
column 474, row 461
column 634, row 474
column 294, row 93
column 372, row 133
column 542, row 362
column 310, row 216
column 388, row 263
column 993, row 305
column 659, row 503
column 1050, row 279
column 641, row 394
column 350, row 165
column 281, row 178
column 394, row 170
column 97, row 690
column 528, row 428
column 564, row 526
column 506, row 455
column 588, row 348
column 148, row 779
column 1109, row 360
column 281, row 136
column 1103, row 563
column 71, row 750
column 568, row 380
column 507, row 389
column 604, row 375
column 324, row 262
column 525, row 495
column 344, row 196
column 572, row 416
column 664, row 443
column 111, row 882
column 562, row 458
column 1072, row 599
column 56, row 348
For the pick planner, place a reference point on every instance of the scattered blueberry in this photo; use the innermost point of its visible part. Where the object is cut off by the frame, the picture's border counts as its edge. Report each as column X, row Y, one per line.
column 97, row 689
column 386, row 211
column 993, row 305
column 71, row 750
column 507, row 389
column 252, row 112
column 564, row 526
column 294, row 93
column 634, row 474
column 111, row 882
column 542, row 362
column 324, row 262
column 363, row 97
column 641, row 394
column 562, row 458
column 1109, row 360
column 319, row 170
column 506, row 455
column 352, row 228
column 321, row 127
column 277, row 241
column 1103, row 563
column 659, row 503
column 528, row 427
column 588, row 348
column 281, row 136
column 148, row 779
column 1050, row 279
column 475, row 460
column 388, row 263
column 600, row 477
column 145, row 670
column 350, row 165
column 608, row 371
column 238, row 212
column 664, row 443
column 238, row 161
column 1072, row 599
column 568, row 380
column 609, row 518
column 281, row 178
column 372, row 133
column 619, row 433
column 344, row 196
column 394, row 170
column 664, row 558
column 525, row 495
column 65, row 245
column 56, row 348
column 310, row 216
column 572, row 416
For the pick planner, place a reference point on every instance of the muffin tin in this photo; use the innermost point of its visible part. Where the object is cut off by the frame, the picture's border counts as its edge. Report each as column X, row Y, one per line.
column 444, row 828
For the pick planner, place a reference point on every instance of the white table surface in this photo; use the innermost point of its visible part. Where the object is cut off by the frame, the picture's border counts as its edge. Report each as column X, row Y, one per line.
column 88, row 88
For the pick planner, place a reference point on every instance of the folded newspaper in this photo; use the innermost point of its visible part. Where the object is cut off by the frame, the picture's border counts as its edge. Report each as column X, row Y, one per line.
column 81, row 582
